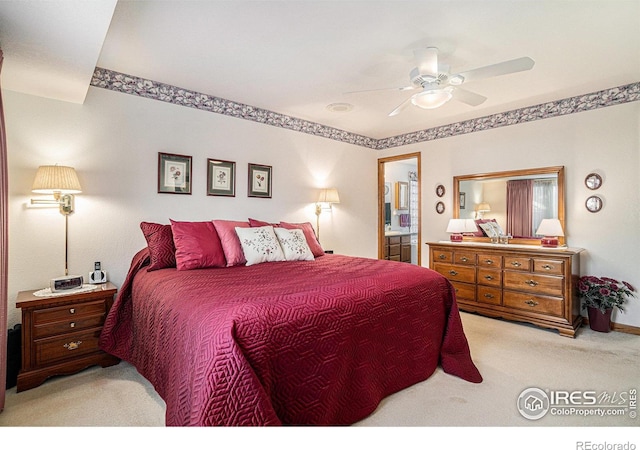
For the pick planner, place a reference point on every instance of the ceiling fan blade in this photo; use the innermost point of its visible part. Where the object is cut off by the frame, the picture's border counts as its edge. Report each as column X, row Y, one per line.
column 404, row 88
column 402, row 106
column 494, row 70
column 468, row 97
column 427, row 59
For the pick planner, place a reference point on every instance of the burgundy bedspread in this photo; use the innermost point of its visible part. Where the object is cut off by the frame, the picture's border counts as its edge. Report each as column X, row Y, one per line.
column 305, row 342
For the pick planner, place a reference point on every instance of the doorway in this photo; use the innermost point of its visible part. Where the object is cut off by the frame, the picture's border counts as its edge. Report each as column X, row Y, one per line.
column 399, row 213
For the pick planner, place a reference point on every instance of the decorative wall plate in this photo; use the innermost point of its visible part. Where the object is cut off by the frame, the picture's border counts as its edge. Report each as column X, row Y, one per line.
column 439, row 207
column 593, row 181
column 593, row 204
column 440, row 190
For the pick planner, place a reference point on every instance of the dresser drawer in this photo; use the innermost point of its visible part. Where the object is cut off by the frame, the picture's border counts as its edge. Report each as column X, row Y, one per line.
column 489, row 261
column 517, row 263
column 552, row 266
column 67, row 326
column 45, row 315
column 442, row 256
column 461, row 257
column 490, row 295
column 464, row 291
column 489, row 277
column 534, row 303
column 67, row 346
column 457, row 272
column 537, row 284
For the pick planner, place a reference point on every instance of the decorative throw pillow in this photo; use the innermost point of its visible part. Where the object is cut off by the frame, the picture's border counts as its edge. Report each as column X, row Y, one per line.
column 229, row 239
column 259, row 245
column 489, row 229
column 197, row 245
column 309, row 234
column 260, row 223
column 294, row 244
column 159, row 239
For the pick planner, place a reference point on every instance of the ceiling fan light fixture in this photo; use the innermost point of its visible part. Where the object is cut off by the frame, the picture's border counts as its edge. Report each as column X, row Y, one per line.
column 456, row 80
column 431, row 99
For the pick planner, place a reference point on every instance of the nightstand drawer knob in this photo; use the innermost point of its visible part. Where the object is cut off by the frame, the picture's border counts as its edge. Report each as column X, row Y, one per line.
column 72, row 311
column 72, row 325
column 72, row 345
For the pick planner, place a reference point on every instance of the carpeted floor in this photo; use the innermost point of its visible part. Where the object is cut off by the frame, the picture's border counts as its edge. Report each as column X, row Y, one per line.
column 511, row 357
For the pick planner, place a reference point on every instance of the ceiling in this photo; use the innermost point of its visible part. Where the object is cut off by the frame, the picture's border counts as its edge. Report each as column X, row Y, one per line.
column 295, row 57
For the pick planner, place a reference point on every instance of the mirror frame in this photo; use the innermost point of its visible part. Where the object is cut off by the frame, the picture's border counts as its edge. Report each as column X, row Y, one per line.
column 555, row 170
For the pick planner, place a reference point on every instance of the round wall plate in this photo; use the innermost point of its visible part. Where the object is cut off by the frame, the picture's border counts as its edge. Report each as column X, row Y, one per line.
column 593, row 181
column 439, row 207
column 440, row 190
column 593, row 204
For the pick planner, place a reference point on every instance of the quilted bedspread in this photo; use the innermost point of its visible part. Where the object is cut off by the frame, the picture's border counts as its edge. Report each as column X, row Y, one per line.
column 295, row 342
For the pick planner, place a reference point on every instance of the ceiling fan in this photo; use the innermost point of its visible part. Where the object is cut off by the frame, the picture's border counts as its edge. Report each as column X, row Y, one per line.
column 437, row 85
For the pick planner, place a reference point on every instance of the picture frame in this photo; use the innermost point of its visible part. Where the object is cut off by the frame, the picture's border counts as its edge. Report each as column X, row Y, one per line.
column 221, row 178
column 259, row 181
column 463, row 200
column 402, row 195
column 440, row 207
column 174, row 173
column 440, row 190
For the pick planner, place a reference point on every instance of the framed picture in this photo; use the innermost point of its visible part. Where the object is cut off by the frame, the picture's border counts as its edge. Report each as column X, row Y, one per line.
column 259, row 181
column 221, row 178
column 463, row 200
column 440, row 190
column 174, row 174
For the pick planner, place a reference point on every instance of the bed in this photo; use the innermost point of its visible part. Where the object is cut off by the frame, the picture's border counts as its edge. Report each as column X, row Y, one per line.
column 313, row 342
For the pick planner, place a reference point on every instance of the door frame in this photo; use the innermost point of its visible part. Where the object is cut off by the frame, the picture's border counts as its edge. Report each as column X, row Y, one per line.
column 381, row 163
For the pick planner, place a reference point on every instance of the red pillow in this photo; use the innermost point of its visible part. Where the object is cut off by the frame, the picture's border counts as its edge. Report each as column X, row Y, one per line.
column 230, row 242
column 253, row 223
column 160, row 242
column 309, row 234
column 197, row 245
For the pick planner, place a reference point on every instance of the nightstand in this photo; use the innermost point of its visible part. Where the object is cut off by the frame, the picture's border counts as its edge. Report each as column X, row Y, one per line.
column 60, row 333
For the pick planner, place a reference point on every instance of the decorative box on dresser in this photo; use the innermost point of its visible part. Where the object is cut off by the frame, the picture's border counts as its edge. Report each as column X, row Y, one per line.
column 517, row 282
column 60, row 333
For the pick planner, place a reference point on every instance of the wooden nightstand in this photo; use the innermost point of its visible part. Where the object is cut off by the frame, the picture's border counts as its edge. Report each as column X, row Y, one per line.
column 60, row 334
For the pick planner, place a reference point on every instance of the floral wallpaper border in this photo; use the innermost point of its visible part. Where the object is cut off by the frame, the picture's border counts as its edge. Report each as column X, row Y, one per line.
column 128, row 84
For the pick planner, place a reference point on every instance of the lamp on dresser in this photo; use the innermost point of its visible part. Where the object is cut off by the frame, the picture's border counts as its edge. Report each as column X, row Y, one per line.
column 326, row 198
column 481, row 209
column 457, row 227
column 550, row 229
column 61, row 182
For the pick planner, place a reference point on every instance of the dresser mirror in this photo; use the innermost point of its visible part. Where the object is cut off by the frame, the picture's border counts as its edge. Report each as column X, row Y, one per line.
column 485, row 198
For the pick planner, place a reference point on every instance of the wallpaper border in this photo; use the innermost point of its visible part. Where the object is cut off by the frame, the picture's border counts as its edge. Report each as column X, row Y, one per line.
column 129, row 84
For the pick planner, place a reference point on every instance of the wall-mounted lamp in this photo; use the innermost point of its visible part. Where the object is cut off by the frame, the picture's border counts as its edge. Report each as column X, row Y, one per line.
column 326, row 198
column 459, row 226
column 481, row 209
column 61, row 182
column 550, row 229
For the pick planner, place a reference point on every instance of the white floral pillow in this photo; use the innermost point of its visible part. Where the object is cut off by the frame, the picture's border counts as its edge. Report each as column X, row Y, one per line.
column 294, row 244
column 259, row 245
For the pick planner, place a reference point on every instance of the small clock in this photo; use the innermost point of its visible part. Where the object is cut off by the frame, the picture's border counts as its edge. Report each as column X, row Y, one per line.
column 439, row 207
column 440, row 190
column 66, row 283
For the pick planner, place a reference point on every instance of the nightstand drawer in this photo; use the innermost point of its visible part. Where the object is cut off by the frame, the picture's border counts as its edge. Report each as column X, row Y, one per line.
column 68, row 346
column 43, row 316
column 68, row 326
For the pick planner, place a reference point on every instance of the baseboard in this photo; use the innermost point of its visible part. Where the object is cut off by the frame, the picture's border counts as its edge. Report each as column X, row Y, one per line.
column 622, row 328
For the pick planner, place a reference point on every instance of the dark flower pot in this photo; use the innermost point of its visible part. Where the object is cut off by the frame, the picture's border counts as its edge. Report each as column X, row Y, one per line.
column 599, row 321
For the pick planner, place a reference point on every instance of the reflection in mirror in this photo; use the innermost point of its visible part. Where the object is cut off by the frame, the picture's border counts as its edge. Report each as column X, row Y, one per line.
column 517, row 200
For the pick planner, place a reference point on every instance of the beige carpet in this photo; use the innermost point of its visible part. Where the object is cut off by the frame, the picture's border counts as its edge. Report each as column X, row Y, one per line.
column 511, row 357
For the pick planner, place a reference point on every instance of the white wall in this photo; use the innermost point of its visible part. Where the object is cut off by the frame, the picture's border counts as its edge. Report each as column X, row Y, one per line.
column 113, row 141
column 606, row 141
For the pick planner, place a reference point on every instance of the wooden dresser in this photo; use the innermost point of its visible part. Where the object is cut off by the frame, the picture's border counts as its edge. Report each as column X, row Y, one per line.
column 516, row 282
column 60, row 334
column 398, row 247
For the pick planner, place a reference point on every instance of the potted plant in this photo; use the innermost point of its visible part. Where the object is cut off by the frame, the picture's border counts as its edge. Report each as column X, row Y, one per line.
column 600, row 296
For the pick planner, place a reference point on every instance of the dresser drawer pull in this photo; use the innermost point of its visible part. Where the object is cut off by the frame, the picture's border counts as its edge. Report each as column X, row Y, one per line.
column 487, row 295
column 72, row 325
column 531, row 303
column 72, row 311
column 516, row 264
column 547, row 267
column 72, row 345
column 488, row 277
column 488, row 261
column 531, row 283
column 441, row 256
column 464, row 259
column 453, row 272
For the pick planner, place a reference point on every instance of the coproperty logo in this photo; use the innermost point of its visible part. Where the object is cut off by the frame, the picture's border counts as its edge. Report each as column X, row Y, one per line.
column 535, row 403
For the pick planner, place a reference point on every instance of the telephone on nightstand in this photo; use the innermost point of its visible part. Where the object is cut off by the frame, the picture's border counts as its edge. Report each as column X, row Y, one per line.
column 98, row 276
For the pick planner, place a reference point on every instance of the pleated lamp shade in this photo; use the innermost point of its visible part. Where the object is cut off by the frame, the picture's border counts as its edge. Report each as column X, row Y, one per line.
column 50, row 179
column 329, row 196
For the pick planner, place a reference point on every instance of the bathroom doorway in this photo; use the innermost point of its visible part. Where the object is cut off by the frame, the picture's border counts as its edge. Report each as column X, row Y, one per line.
column 399, row 215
